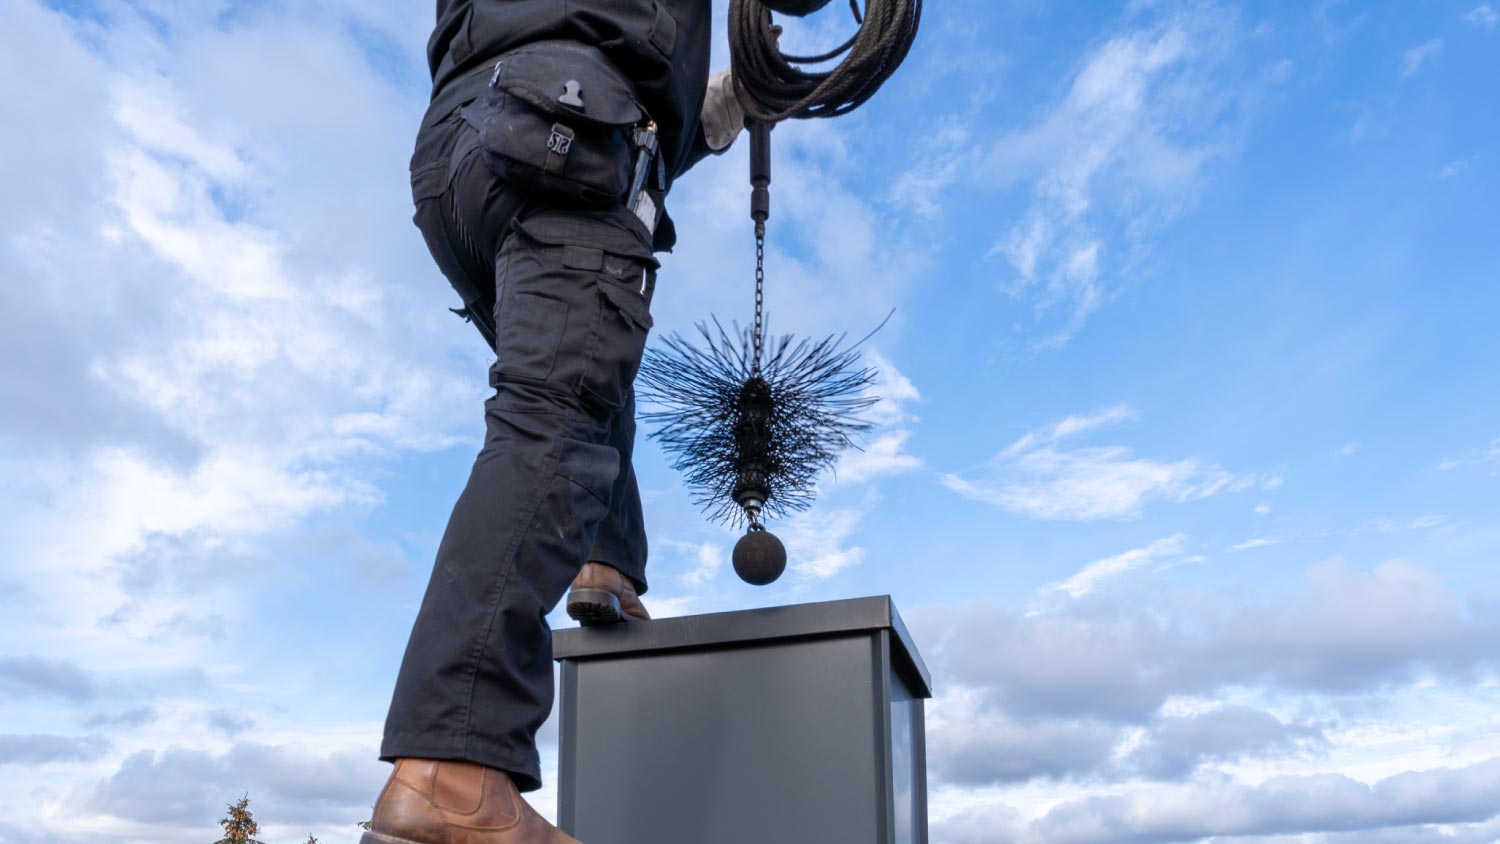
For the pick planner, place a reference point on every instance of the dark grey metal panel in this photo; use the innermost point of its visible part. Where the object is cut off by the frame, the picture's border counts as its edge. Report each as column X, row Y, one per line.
column 883, row 673
column 919, row 754
column 908, row 791
column 567, row 744
column 739, row 745
column 760, row 625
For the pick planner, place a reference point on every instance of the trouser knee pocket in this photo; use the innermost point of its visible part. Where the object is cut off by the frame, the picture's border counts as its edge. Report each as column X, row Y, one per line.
column 573, row 306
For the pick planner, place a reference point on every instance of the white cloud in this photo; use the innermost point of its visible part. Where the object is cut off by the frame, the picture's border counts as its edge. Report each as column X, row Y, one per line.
column 1347, row 450
column 34, row 749
column 228, row 347
column 817, row 542
column 1071, row 426
column 1413, row 58
column 1175, row 746
column 672, row 606
column 1085, row 580
column 885, row 453
column 710, row 559
column 1282, row 805
column 1120, row 656
column 1488, row 456
column 1258, row 542
column 1455, row 168
column 973, row 744
column 159, row 795
column 1093, row 483
column 885, row 456
column 985, row 821
column 222, row 327
column 1122, row 152
column 1482, row 16
column 895, row 391
column 947, row 155
column 1035, row 477
column 982, row 822
column 1166, row 706
column 31, row 677
column 148, row 110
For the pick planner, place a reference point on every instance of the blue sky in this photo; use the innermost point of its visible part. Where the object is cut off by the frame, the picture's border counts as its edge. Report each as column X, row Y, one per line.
column 1185, row 478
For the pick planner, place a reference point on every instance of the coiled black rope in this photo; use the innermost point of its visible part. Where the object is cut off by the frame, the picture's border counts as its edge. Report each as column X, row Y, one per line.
column 781, row 89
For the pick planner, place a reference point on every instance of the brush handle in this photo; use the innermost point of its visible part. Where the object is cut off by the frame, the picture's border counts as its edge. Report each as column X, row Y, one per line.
column 760, row 171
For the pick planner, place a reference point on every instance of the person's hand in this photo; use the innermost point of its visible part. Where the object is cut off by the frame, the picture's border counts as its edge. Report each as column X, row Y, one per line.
column 723, row 116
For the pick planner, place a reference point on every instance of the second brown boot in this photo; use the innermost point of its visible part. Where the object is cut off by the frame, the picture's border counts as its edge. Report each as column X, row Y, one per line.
column 601, row 595
column 433, row 802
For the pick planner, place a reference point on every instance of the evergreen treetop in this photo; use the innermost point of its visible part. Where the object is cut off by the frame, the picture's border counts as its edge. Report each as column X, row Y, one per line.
column 239, row 825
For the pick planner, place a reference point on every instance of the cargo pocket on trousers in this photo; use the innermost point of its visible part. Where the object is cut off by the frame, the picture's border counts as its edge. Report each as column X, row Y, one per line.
column 624, row 323
column 604, row 269
column 530, row 325
column 528, row 334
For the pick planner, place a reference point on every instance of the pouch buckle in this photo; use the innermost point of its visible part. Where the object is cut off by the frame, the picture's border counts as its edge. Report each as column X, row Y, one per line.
column 561, row 139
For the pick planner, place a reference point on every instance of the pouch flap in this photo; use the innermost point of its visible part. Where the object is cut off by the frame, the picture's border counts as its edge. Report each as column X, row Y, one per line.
column 580, row 232
column 567, row 78
column 629, row 303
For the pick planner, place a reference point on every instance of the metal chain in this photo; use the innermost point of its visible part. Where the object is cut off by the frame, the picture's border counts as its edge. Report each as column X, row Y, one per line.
column 760, row 294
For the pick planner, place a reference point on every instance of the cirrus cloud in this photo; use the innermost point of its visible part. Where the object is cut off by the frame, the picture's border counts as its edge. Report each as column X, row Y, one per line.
column 1036, row 476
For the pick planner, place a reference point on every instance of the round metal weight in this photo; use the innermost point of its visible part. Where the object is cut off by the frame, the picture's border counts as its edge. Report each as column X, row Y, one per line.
column 759, row 558
column 794, row 7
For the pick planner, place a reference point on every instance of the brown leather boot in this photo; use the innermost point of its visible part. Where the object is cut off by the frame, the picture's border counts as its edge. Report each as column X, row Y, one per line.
column 431, row 802
column 601, row 595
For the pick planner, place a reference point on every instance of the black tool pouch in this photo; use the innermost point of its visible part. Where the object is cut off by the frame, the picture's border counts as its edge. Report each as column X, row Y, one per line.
column 557, row 121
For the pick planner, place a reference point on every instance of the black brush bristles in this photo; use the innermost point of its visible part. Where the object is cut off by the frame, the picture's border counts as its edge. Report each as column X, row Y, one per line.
column 720, row 430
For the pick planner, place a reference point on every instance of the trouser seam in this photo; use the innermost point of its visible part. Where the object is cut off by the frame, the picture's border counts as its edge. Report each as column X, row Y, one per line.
column 509, row 563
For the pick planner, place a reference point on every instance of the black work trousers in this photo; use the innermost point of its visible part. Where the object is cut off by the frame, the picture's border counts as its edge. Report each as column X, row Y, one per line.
column 552, row 487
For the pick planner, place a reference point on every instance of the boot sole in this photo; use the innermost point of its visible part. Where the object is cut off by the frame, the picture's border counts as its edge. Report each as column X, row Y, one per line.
column 594, row 606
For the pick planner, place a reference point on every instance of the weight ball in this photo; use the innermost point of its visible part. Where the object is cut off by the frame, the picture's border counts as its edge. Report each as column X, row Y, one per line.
column 759, row 558
column 794, row 7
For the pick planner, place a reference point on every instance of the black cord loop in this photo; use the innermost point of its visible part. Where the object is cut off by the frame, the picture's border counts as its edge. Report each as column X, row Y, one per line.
column 780, row 89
